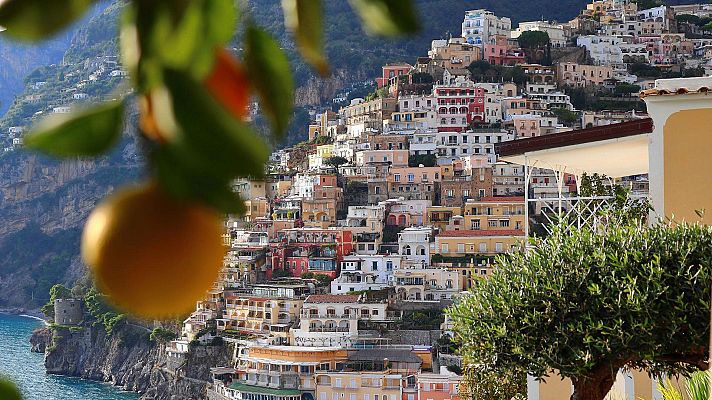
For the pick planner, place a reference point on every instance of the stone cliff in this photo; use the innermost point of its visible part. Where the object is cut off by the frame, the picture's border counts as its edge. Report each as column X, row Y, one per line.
column 127, row 358
column 43, row 205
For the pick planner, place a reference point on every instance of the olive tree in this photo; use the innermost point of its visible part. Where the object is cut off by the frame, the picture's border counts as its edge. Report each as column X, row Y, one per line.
column 588, row 302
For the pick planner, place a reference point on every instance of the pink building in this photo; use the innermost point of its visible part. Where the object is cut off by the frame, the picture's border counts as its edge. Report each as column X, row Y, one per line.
column 438, row 387
column 497, row 52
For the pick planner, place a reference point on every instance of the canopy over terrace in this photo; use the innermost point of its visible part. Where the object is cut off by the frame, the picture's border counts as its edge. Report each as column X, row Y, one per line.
column 615, row 150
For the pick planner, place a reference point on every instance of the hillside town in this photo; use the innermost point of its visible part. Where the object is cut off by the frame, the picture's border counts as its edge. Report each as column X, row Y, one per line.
column 355, row 243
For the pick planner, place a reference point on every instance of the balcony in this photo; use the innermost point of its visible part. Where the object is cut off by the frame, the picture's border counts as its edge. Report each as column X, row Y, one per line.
column 328, row 330
column 307, row 315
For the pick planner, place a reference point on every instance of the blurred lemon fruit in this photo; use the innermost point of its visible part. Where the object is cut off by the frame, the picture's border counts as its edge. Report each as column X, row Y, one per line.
column 153, row 255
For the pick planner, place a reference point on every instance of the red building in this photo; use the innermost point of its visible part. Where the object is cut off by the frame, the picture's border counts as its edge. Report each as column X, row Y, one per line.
column 315, row 250
column 391, row 72
column 459, row 105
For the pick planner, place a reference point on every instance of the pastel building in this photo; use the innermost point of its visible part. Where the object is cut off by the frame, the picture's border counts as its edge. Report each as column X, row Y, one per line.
column 438, row 387
column 481, row 25
column 332, row 320
column 494, row 213
column 365, row 272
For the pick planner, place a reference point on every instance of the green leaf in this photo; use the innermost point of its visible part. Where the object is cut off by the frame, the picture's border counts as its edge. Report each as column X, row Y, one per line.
column 222, row 17
column 37, row 19
column 304, row 17
column 178, row 179
column 209, row 150
column 269, row 71
column 387, row 17
column 209, row 134
column 8, row 390
column 85, row 133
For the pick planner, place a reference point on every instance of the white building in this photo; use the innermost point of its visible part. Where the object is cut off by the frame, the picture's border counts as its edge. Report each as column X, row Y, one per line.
column 507, row 179
column 481, row 25
column 61, row 110
column 365, row 272
column 604, row 50
column 553, row 100
column 303, row 185
column 332, row 320
column 423, row 142
column 556, row 32
column 453, row 145
column 494, row 93
column 414, row 244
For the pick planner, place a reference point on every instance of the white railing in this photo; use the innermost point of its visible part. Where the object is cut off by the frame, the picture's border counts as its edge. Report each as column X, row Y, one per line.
column 577, row 212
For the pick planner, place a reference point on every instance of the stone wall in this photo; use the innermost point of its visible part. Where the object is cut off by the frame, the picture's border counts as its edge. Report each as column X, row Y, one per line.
column 415, row 337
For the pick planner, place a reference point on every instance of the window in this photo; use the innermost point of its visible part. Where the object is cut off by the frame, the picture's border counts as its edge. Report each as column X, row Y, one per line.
column 504, row 223
column 396, row 177
column 389, row 265
column 374, row 265
column 492, row 224
column 498, row 247
column 411, row 178
column 483, row 247
column 475, row 225
column 482, row 193
column 337, row 382
column 466, row 193
column 450, row 193
column 460, row 247
column 445, row 248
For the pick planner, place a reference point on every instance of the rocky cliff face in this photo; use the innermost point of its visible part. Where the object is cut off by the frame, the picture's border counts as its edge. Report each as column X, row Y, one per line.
column 43, row 205
column 127, row 358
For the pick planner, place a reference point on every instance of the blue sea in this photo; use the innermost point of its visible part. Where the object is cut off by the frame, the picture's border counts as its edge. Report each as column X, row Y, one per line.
column 27, row 369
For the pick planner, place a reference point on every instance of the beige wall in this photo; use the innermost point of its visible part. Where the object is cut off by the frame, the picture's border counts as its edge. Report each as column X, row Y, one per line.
column 688, row 186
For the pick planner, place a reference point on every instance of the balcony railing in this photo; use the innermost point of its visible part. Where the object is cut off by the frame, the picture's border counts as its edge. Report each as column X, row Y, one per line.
column 577, row 212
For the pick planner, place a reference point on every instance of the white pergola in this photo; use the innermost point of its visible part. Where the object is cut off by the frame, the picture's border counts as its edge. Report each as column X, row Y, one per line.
column 616, row 151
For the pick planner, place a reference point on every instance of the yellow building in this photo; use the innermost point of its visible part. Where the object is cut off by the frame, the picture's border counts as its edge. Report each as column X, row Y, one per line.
column 481, row 242
column 322, row 153
column 256, row 208
column 441, row 216
column 259, row 315
column 286, row 367
column 319, row 212
column 494, row 213
column 358, row 386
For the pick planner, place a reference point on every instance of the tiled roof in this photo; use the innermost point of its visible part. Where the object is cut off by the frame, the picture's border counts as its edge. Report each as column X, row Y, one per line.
column 503, row 199
column 482, row 233
column 666, row 92
column 332, row 298
column 673, row 87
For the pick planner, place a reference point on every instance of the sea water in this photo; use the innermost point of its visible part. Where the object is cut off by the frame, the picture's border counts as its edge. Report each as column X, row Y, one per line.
column 27, row 370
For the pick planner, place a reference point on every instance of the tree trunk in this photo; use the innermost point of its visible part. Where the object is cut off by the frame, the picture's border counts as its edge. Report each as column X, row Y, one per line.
column 596, row 386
